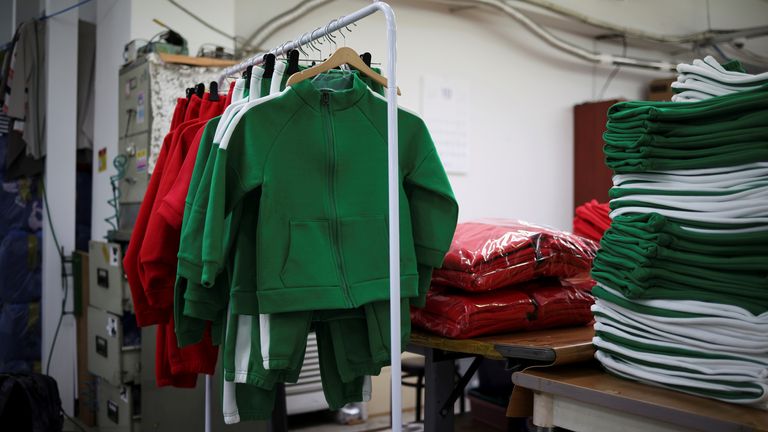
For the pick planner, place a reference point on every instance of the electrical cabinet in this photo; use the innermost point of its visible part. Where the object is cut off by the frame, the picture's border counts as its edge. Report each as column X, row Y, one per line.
column 118, row 409
column 113, row 347
column 135, row 114
column 109, row 289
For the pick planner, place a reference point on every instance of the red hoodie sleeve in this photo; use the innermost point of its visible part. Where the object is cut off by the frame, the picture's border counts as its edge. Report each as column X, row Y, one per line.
column 172, row 207
column 157, row 257
column 145, row 314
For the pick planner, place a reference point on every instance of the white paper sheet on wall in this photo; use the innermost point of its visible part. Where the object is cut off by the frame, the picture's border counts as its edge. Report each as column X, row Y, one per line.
column 445, row 109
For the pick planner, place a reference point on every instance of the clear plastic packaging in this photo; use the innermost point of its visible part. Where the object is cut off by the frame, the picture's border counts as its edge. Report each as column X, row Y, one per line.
column 535, row 305
column 488, row 255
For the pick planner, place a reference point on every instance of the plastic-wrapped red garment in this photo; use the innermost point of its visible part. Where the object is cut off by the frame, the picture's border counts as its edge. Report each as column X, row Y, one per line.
column 535, row 305
column 592, row 220
column 495, row 254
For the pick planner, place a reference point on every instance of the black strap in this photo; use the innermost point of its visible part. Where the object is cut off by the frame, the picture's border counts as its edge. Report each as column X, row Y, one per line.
column 213, row 90
column 293, row 62
column 269, row 65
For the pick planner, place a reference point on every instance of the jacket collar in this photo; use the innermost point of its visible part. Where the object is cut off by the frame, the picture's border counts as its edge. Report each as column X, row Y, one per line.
column 338, row 99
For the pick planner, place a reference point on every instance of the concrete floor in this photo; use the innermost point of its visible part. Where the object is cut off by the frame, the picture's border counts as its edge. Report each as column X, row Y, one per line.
column 380, row 423
column 323, row 422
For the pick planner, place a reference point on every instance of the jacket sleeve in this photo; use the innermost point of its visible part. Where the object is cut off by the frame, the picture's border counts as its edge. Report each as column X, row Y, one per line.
column 434, row 210
column 237, row 170
column 425, row 280
column 190, row 261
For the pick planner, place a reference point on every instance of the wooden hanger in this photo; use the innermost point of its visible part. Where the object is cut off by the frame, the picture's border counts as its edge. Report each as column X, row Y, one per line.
column 343, row 55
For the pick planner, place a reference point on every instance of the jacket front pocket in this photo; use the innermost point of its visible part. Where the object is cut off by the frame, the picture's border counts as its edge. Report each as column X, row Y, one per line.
column 310, row 260
column 365, row 246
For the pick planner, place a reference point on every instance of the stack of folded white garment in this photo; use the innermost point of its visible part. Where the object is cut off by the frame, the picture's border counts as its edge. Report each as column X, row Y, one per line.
column 707, row 78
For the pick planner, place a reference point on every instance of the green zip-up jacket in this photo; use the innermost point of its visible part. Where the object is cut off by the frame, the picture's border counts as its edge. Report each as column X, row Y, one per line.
column 317, row 159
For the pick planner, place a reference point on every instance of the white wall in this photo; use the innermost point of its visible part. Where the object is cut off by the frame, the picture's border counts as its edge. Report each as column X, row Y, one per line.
column 61, row 125
column 113, row 29
column 523, row 90
column 220, row 14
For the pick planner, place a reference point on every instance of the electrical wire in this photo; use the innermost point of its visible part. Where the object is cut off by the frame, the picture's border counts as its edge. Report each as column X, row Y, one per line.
column 533, row 27
column 202, row 21
column 64, row 276
column 615, row 70
column 700, row 37
column 58, row 324
column 50, row 221
column 279, row 21
column 119, row 162
column 561, row 44
column 71, row 420
column 721, row 53
column 65, row 10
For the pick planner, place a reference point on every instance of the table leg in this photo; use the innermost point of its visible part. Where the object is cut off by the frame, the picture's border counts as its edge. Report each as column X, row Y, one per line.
column 439, row 382
column 543, row 411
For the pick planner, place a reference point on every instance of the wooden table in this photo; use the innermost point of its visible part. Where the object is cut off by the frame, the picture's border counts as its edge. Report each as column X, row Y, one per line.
column 519, row 350
column 584, row 398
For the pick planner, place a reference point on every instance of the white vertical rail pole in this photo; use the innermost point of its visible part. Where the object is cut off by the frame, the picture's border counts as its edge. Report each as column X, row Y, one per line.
column 394, row 218
column 208, row 388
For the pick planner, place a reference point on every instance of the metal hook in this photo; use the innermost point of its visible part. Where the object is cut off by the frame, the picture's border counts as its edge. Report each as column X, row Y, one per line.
column 341, row 30
column 329, row 35
column 300, row 45
column 310, row 43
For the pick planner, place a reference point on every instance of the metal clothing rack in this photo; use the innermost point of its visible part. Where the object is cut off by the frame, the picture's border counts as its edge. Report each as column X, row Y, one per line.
column 392, row 172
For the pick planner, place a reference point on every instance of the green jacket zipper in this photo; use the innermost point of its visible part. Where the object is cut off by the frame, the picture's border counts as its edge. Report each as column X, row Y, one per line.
column 325, row 101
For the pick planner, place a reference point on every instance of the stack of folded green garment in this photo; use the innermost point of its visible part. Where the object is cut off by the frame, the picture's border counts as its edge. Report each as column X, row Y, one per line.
column 682, row 293
column 723, row 131
column 707, row 78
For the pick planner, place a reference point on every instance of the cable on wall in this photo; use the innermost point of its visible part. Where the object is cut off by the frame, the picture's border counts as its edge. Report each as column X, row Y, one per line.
column 272, row 25
column 65, row 10
column 698, row 37
column 202, row 21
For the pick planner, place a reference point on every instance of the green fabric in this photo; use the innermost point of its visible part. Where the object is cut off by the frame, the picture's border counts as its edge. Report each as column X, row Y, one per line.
column 691, row 128
column 680, row 351
column 627, row 303
column 654, row 223
column 657, row 282
column 716, row 108
column 732, row 155
column 333, row 242
column 717, row 132
column 726, row 193
column 632, row 143
column 735, row 393
column 190, row 330
column 649, row 252
column 352, row 344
